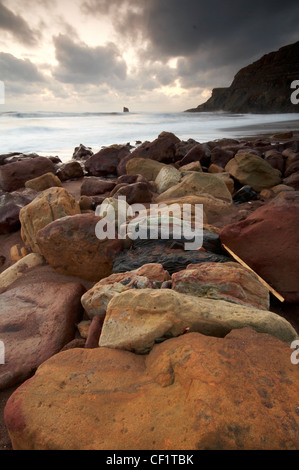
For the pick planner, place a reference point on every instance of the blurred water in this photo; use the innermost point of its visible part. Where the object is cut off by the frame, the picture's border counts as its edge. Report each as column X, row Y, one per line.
column 59, row 133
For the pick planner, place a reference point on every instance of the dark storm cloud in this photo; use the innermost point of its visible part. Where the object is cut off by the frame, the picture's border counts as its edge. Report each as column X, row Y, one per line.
column 17, row 26
column 211, row 36
column 13, row 69
column 79, row 63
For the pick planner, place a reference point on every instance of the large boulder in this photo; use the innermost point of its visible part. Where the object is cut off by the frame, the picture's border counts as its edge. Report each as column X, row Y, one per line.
column 268, row 240
column 224, row 281
column 105, row 162
column 196, row 184
column 51, row 204
column 14, row 175
column 148, row 168
column 136, row 193
column 254, row 171
column 96, row 299
column 136, row 319
column 46, row 181
column 167, row 177
column 71, row 247
column 92, row 186
column 10, row 206
column 193, row 392
column 36, row 321
column 162, row 149
column 70, row 170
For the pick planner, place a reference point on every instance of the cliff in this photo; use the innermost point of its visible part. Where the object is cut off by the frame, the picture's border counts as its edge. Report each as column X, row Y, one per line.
column 262, row 87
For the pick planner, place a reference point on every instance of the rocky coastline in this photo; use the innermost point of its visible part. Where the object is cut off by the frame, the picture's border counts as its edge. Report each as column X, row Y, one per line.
column 141, row 344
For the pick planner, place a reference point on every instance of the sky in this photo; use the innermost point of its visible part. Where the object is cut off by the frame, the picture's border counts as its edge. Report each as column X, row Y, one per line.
column 147, row 55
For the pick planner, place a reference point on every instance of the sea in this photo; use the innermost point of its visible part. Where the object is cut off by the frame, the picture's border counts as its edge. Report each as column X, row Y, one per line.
column 58, row 133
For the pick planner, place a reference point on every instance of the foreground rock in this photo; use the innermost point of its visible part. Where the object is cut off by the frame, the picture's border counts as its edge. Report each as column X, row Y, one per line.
column 71, row 247
column 95, row 301
column 36, row 321
column 18, row 269
column 191, row 392
column 135, row 320
column 268, row 242
column 14, row 175
column 46, row 181
column 224, row 281
column 10, row 206
column 253, row 171
column 106, row 161
column 50, row 205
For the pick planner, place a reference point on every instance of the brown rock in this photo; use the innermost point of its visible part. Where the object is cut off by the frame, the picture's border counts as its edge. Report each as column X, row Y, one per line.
column 154, row 315
column 148, row 168
column 70, row 170
column 225, row 281
column 36, row 321
column 135, row 193
column 161, row 149
column 92, row 186
column 252, row 170
column 198, row 153
column 293, row 181
column 52, row 204
column 191, row 392
column 71, row 247
column 94, row 332
column 105, row 161
column 46, row 181
column 14, row 175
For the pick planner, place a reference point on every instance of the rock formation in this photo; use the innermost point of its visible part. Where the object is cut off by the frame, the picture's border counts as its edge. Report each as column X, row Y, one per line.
column 262, row 87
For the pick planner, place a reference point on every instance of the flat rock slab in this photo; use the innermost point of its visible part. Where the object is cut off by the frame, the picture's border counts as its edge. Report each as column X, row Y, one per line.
column 36, row 321
column 193, row 392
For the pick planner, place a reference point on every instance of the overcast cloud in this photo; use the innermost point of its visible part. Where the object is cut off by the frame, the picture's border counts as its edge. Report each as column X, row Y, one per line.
column 167, row 51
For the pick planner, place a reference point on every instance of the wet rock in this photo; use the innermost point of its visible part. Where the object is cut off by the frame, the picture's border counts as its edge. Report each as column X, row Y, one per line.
column 82, row 153
column 245, row 194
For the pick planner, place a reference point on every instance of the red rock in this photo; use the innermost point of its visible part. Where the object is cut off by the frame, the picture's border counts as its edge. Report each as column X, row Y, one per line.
column 105, row 161
column 268, row 242
column 70, row 170
column 135, row 193
column 93, row 186
column 14, row 175
column 36, row 321
column 221, row 156
column 192, row 392
column 292, row 180
column 198, row 153
column 162, row 149
column 71, row 247
column 226, row 281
